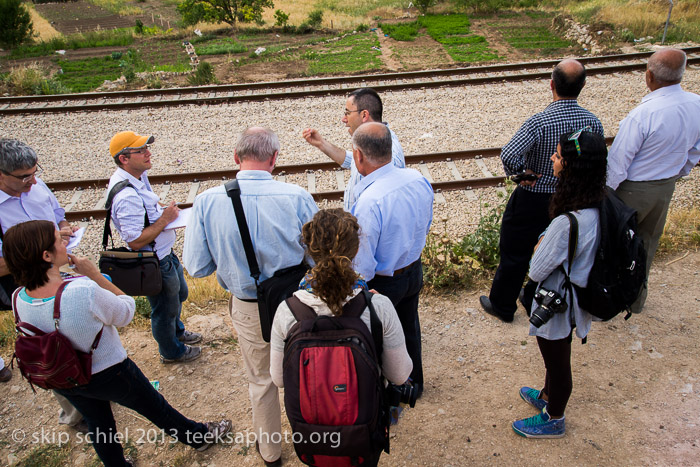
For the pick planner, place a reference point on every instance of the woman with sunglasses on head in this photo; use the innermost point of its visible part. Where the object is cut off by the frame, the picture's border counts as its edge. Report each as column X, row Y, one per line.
column 34, row 251
column 580, row 164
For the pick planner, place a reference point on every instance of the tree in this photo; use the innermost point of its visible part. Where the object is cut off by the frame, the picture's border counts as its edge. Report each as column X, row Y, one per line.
column 15, row 23
column 423, row 5
column 226, row 11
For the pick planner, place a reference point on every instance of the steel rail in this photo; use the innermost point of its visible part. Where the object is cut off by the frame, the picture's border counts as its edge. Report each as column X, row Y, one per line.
column 213, row 99
column 242, row 87
column 293, row 169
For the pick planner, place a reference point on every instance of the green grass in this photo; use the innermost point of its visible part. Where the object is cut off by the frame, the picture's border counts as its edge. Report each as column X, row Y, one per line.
column 401, row 31
column 533, row 38
column 221, row 46
column 357, row 7
column 111, row 38
column 48, row 455
column 453, row 32
column 86, row 75
column 350, row 54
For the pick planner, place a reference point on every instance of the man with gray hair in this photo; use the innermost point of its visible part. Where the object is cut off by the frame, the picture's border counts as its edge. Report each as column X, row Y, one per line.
column 657, row 143
column 394, row 208
column 275, row 213
column 25, row 197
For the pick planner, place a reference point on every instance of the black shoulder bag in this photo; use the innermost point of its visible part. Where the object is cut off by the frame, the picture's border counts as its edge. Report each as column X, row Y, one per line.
column 274, row 290
column 136, row 273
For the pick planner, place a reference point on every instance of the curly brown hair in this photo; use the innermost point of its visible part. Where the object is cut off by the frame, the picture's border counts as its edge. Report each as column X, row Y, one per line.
column 582, row 178
column 332, row 240
column 23, row 248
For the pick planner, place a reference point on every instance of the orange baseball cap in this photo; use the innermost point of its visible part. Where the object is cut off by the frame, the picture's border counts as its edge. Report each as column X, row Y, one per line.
column 128, row 139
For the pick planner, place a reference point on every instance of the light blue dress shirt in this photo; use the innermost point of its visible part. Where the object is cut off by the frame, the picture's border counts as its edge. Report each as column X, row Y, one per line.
column 394, row 209
column 659, row 139
column 128, row 211
column 351, row 193
column 38, row 204
column 275, row 213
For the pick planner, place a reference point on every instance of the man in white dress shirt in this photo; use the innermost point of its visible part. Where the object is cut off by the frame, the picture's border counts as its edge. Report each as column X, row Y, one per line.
column 657, row 143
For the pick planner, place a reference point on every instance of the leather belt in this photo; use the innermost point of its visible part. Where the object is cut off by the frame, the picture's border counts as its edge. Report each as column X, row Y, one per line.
column 401, row 270
column 248, row 300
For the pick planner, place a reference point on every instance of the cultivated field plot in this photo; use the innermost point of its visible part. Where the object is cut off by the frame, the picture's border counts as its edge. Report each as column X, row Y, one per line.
column 81, row 16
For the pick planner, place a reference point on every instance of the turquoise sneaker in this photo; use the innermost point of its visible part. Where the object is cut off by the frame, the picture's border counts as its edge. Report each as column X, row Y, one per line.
column 530, row 395
column 540, row 426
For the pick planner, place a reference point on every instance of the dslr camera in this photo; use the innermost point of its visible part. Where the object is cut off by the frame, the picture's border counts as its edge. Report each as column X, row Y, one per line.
column 548, row 303
column 401, row 394
column 523, row 177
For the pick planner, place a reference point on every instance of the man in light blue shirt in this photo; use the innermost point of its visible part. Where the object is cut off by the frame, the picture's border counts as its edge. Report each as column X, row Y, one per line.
column 363, row 105
column 657, row 143
column 275, row 213
column 394, row 208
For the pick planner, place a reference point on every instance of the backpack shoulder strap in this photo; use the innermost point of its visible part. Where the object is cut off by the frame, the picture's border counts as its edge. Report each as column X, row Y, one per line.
column 57, row 314
column 299, row 310
column 573, row 239
column 233, row 191
column 107, row 231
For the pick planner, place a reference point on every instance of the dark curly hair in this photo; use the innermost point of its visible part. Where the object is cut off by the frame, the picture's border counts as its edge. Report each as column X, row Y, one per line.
column 23, row 248
column 332, row 240
column 582, row 177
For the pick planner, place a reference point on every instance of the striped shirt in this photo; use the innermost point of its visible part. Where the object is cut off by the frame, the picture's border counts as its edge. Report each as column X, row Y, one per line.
column 536, row 141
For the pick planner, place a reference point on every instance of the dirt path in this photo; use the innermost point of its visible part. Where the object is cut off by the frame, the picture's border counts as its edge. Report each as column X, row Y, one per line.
column 636, row 397
column 390, row 63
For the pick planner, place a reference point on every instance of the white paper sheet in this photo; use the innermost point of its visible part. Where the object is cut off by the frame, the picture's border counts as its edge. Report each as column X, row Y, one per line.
column 75, row 239
column 181, row 220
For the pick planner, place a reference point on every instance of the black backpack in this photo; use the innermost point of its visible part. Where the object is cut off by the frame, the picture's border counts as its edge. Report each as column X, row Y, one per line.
column 619, row 268
column 333, row 385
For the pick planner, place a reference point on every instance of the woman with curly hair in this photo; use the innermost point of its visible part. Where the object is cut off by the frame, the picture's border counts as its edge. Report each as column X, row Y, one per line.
column 580, row 164
column 332, row 239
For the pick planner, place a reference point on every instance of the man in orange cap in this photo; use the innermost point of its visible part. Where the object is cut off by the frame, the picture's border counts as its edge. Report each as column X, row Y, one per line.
column 129, row 206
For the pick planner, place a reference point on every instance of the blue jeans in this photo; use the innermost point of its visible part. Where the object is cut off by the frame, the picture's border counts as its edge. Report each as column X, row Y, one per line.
column 166, row 307
column 126, row 385
column 403, row 290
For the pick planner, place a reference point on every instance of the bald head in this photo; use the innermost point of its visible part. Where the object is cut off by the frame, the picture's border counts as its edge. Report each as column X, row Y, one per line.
column 667, row 66
column 568, row 78
column 373, row 139
column 257, row 143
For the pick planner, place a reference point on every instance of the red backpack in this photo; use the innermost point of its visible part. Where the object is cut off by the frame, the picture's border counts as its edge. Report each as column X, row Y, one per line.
column 49, row 360
column 333, row 386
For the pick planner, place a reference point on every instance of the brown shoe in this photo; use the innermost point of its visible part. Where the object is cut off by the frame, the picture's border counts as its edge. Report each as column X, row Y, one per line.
column 5, row 375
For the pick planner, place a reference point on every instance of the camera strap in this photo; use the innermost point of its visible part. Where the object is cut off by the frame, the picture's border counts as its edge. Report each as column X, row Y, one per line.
column 573, row 243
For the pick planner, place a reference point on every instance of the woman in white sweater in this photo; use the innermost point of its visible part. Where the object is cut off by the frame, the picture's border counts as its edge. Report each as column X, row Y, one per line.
column 34, row 251
column 332, row 240
column 580, row 164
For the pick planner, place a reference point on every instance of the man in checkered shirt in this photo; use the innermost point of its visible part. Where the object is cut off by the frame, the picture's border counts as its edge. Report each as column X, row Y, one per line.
column 527, row 213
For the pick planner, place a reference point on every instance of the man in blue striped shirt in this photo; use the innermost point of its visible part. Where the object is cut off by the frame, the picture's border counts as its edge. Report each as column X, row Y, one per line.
column 527, row 213
column 394, row 208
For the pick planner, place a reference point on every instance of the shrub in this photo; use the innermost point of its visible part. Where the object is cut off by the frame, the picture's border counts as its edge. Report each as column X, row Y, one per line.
column 32, row 80
column 423, row 5
column 15, row 23
column 281, row 18
column 138, row 27
column 315, row 19
column 362, row 27
column 203, row 75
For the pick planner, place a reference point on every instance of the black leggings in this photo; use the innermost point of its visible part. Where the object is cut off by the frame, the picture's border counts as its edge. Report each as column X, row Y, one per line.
column 557, row 382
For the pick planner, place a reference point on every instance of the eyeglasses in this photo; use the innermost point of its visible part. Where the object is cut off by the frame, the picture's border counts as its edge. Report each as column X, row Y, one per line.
column 576, row 136
column 140, row 150
column 348, row 112
column 27, row 178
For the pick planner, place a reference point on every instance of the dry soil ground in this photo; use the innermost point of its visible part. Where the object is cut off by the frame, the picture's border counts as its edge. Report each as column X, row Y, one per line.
column 636, row 398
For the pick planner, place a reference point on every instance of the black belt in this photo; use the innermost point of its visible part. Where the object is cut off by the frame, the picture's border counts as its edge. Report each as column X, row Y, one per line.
column 402, row 270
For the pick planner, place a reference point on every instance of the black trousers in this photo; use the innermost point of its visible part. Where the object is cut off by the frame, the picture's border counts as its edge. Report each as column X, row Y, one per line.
column 525, row 218
column 558, row 382
column 403, row 291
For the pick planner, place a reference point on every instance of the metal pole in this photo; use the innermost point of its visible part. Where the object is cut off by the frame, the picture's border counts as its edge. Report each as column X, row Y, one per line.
column 663, row 39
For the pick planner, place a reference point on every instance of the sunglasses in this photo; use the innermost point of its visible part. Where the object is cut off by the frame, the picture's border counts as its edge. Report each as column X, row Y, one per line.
column 576, row 136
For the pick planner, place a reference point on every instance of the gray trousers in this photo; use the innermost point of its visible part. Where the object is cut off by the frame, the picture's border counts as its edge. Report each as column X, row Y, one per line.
column 651, row 200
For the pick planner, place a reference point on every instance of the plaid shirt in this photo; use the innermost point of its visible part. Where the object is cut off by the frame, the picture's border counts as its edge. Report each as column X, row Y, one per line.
column 536, row 141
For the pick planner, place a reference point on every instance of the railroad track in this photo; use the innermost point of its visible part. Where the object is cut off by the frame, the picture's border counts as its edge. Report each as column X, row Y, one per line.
column 303, row 88
column 446, row 171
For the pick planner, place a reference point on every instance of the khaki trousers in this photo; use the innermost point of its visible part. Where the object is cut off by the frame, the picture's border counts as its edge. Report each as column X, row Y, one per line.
column 264, row 396
column 68, row 415
column 651, row 200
